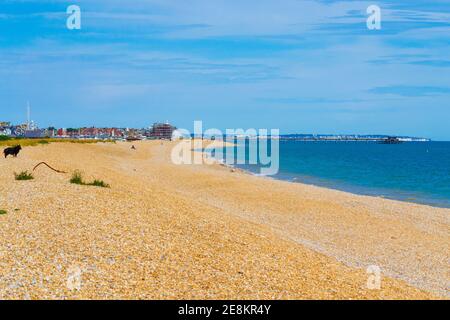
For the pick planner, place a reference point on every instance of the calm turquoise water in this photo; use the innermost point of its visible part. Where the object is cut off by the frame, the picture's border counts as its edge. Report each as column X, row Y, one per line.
column 416, row 172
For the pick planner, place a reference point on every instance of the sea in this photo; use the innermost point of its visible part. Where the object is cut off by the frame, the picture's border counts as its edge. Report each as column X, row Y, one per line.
column 412, row 171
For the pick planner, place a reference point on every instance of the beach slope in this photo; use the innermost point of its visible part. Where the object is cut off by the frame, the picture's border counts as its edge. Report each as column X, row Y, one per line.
column 163, row 231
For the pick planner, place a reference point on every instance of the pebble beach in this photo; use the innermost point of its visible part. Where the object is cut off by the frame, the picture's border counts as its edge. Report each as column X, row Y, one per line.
column 166, row 231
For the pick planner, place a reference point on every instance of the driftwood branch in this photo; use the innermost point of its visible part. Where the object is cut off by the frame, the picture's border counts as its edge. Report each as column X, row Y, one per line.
column 59, row 171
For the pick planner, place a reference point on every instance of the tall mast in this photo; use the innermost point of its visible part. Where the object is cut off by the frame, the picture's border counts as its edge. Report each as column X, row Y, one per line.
column 28, row 115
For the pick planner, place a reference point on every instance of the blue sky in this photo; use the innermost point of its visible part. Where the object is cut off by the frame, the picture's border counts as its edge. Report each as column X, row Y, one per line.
column 301, row 66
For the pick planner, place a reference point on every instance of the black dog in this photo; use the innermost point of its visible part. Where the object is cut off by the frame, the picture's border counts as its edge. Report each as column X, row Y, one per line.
column 13, row 151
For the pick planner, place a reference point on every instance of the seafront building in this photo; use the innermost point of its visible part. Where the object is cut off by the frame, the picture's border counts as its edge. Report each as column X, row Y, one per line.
column 162, row 131
column 31, row 130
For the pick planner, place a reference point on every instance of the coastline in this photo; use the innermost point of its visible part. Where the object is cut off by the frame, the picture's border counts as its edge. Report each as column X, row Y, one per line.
column 395, row 194
column 375, row 193
column 167, row 231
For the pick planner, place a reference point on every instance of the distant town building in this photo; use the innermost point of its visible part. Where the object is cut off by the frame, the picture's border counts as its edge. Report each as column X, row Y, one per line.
column 61, row 132
column 162, row 131
column 35, row 133
column 49, row 132
column 72, row 132
column 5, row 131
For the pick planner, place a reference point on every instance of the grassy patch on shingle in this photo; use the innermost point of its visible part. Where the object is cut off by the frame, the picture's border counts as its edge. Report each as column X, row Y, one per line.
column 98, row 183
column 23, row 176
column 77, row 178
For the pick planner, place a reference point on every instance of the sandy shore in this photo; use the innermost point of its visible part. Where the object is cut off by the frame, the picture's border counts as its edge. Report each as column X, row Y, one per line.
column 192, row 232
